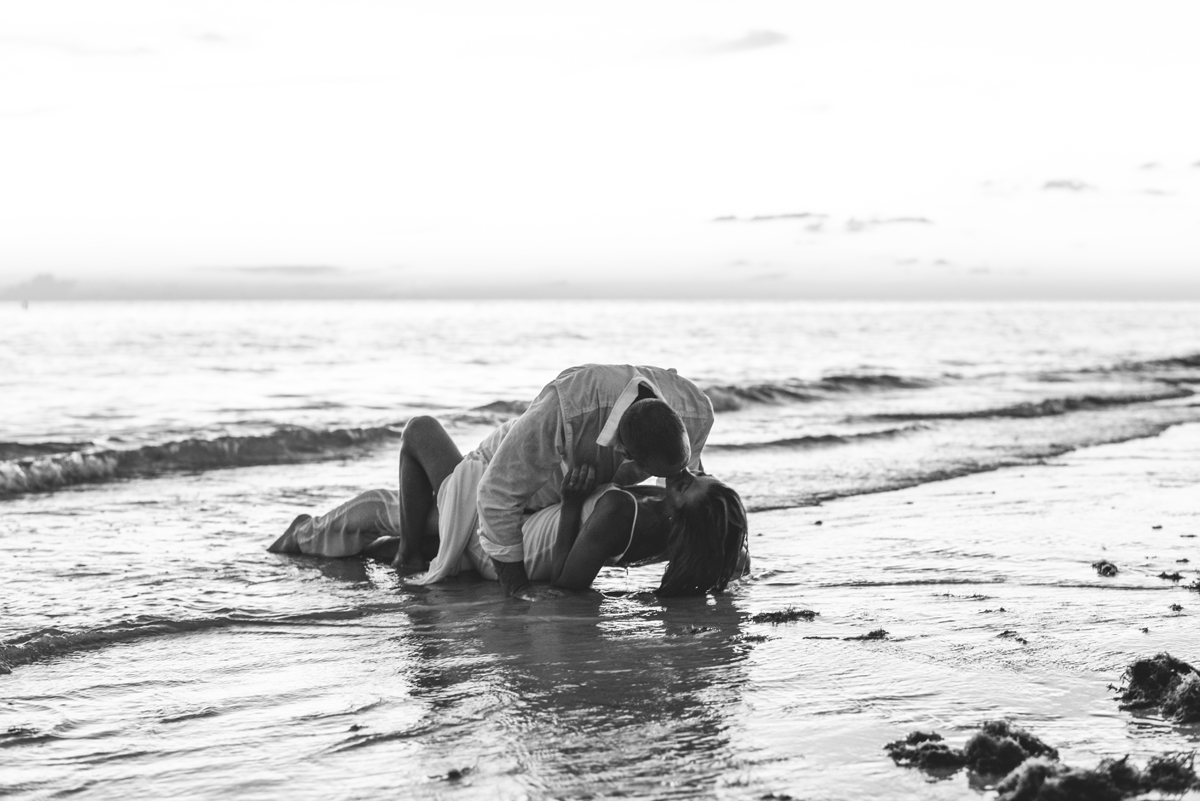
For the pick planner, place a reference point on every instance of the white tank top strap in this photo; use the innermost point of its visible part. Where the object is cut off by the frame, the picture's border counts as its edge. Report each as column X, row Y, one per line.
column 632, row 526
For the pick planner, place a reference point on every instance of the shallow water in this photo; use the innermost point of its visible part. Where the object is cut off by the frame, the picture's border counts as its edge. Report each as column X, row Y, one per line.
column 293, row 672
column 156, row 649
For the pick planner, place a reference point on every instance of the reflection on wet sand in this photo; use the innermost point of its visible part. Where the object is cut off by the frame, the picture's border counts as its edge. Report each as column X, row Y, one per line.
column 563, row 695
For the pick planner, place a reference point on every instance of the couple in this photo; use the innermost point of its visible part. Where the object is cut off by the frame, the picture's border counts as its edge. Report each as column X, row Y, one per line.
column 573, row 460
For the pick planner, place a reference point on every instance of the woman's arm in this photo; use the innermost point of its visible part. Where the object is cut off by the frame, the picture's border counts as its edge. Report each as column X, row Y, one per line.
column 603, row 535
column 576, row 485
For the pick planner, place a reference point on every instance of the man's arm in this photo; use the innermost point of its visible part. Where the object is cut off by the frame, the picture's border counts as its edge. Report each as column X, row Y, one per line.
column 521, row 465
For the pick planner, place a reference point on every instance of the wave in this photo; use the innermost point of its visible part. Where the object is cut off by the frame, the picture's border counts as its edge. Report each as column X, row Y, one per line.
column 17, row 450
column 734, row 397
column 52, row 642
column 818, row 441
column 46, row 466
column 1045, row 408
column 731, row 397
column 1186, row 362
column 510, row 407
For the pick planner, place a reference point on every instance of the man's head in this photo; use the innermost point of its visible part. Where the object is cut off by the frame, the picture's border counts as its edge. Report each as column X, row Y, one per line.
column 653, row 436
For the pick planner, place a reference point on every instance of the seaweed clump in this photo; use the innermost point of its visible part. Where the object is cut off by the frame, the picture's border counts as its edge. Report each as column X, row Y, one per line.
column 1105, row 568
column 999, row 747
column 1031, row 770
column 874, row 634
column 1112, row 780
column 784, row 616
column 1182, row 703
column 995, row 749
column 1165, row 682
column 926, row 751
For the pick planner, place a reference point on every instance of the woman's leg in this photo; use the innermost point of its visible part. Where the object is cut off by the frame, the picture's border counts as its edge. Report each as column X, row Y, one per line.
column 427, row 457
column 345, row 529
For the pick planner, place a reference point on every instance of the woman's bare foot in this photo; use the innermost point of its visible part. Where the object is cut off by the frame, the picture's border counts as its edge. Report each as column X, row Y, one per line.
column 287, row 543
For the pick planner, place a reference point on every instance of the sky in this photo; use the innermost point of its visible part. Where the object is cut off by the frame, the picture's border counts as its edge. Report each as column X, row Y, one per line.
column 351, row 148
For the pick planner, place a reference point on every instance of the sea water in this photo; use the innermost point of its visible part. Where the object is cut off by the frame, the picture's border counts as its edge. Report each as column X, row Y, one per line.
column 149, row 452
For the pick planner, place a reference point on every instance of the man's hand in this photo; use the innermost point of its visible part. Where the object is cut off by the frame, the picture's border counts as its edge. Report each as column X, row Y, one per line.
column 513, row 578
column 577, row 484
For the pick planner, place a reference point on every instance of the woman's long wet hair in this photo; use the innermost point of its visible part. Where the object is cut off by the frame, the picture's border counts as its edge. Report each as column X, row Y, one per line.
column 704, row 543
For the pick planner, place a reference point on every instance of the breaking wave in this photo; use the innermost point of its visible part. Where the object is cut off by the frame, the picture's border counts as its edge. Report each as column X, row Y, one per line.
column 1046, row 408
column 509, row 407
column 731, row 398
column 1186, row 362
column 52, row 642
column 821, row 441
column 45, row 467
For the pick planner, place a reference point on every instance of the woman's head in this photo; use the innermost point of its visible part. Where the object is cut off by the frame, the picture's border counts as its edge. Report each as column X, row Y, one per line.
column 707, row 534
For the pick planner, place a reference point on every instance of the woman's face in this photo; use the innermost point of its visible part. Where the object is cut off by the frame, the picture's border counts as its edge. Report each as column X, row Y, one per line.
column 686, row 488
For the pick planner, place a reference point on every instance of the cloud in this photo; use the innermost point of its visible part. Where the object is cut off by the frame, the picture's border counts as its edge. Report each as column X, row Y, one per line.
column 768, row 277
column 799, row 215
column 41, row 287
column 292, row 270
column 1070, row 186
column 1156, row 192
column 1150, row 165
column 912, row 260
column 854, row 225
column 752, row 40
column 75, row 49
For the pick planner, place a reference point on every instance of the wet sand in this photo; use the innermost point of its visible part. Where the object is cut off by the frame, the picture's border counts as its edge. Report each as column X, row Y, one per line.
column 994, row 610
column 334, row 671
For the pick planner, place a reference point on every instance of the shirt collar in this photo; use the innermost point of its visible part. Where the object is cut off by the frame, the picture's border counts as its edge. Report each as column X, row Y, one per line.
column 609, row 434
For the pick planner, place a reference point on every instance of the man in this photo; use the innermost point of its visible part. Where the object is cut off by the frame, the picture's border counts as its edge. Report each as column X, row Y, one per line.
column 629, row 422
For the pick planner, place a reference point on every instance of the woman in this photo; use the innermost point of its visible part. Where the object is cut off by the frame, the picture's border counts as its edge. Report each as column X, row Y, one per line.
column 696, row 522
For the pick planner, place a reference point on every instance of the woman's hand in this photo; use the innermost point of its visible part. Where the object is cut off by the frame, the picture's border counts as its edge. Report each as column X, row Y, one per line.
column 577, row 484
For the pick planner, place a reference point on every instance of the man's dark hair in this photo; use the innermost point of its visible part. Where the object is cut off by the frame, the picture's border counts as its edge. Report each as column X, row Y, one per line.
column 651, row 429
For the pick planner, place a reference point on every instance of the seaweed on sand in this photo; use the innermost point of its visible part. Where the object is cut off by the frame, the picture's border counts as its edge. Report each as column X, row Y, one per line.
column 996, row 749
column 1182, row 703
column 1165, row 682
column 1176, row 576
column 1043, row 779
column 1105, row 568
column 874, row 634
column 1112, row 780
column 784, row 616
column 1031, row 770
column 999, row 747
column 1173, row 773
column 926, row 751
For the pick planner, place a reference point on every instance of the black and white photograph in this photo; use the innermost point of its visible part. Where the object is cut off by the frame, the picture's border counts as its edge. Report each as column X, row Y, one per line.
column 567, row 401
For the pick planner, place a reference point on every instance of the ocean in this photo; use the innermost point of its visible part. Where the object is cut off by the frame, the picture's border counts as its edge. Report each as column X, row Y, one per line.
column 908, row 467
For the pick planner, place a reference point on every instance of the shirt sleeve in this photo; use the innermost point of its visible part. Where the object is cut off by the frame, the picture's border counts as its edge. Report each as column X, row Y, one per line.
column 698, row 446
column 523, row 463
